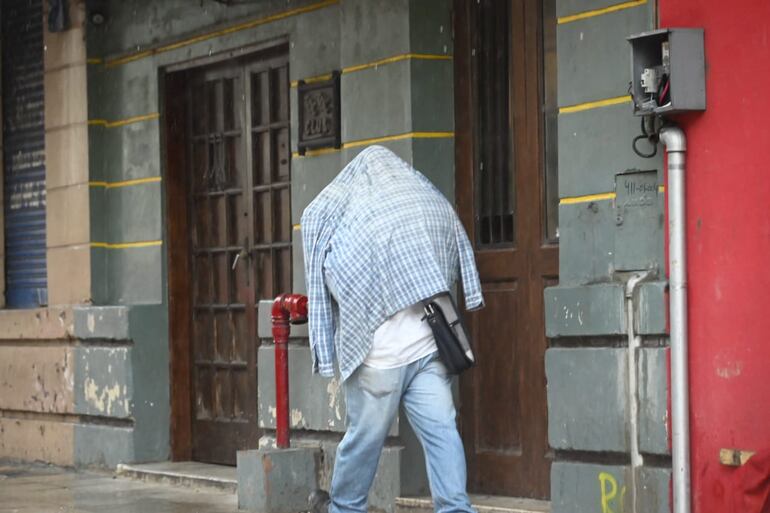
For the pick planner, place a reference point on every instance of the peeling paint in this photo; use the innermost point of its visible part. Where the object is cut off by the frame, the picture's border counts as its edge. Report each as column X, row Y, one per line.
column 91, row 323
column 102, row 399
column 333, row 389
column 69, row 375
column 36, row 379
column 297, row 420
column 732, row 370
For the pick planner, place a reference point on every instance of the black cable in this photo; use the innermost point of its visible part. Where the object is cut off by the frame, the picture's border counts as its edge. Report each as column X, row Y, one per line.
column 644, row 155
column 652, row 138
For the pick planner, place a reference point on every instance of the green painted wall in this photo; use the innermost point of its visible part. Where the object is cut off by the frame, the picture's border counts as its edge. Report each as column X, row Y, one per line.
column 123, row 363
column 604, row 235
column 391, row 99
column 125, row 149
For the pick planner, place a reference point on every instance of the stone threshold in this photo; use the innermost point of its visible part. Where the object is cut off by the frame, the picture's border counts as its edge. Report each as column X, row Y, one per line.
column 190, row 474
column 481, row 503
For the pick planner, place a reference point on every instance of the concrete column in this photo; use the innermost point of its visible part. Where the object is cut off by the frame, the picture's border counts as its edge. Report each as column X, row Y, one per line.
column 66, row 142
column 602, row 237
column 405, row 101
column 2, row 209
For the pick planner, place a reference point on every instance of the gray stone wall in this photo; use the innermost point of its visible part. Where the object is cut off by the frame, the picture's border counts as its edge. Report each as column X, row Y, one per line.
column 607, row 231
column 392, row 98
column 396, row 90
column 125, row 375
column 127, row 57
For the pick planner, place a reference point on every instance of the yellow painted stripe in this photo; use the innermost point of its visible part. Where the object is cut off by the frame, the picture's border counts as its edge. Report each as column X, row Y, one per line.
column 94, row 60
column 123, row 122
column 397, row 58
column 315, row 153
column 596, row 197
column 126, row 245
column 585, row 199
column 312, row 80
column 374, row 64
column 125, row 183
column 600, row 12
column 223, row 32
column 376, row 140
column 410, row 135
column 595, row 104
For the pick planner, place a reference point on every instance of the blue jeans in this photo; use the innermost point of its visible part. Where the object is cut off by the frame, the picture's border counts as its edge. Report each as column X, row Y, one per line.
column 372, row 397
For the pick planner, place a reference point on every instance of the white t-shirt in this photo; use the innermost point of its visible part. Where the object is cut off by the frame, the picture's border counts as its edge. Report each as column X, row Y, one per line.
column 403, row 338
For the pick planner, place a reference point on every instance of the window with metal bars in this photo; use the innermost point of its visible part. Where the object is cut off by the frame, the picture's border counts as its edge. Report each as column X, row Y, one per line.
column 494, row 185
column 550, row 123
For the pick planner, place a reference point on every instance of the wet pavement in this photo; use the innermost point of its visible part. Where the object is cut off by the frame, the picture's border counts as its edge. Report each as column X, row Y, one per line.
column 42, row 489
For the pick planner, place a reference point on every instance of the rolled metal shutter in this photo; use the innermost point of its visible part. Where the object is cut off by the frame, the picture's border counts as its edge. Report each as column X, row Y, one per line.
column 24, row 153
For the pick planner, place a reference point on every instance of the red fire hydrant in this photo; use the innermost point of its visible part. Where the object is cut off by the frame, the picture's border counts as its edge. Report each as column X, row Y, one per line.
column 287, row 309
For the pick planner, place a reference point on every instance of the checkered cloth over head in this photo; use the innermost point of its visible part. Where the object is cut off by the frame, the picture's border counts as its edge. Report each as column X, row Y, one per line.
column 382, row 238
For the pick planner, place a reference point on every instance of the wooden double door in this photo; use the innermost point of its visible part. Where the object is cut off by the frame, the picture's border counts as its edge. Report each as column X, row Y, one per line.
column 231, row 133
column 506, row 198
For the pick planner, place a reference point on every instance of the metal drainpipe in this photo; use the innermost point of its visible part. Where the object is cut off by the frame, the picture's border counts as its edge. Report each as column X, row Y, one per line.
column 674, row 140
column 634, row 342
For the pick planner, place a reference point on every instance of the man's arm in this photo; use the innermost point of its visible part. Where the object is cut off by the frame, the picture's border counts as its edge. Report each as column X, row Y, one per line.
column 315, row 240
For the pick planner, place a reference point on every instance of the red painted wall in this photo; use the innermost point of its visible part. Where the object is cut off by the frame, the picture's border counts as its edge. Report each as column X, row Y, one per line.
column 728, row 226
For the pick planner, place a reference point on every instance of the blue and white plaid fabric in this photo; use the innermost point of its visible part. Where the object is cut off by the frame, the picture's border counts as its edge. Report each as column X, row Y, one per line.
column 384, row 238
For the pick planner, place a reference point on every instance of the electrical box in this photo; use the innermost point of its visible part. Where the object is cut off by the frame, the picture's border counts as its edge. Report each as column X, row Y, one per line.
column 668, row 71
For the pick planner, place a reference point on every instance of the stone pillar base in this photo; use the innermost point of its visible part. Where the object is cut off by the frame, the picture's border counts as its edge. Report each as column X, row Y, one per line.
column 277, row 480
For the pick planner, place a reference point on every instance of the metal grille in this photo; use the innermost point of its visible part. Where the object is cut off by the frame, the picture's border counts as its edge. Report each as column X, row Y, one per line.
column 494, row 183
column 550, row 122
column 271, row 180
column 24, row 153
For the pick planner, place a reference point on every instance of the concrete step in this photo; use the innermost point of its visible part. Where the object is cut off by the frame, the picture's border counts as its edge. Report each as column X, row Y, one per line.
column 189, row 474
column 482, row 504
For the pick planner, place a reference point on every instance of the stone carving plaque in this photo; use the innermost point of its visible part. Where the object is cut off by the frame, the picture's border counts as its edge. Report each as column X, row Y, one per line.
column 319, row 114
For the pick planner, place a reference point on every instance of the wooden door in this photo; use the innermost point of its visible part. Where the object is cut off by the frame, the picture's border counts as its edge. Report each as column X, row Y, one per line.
column 505, row 201
column 238, row 203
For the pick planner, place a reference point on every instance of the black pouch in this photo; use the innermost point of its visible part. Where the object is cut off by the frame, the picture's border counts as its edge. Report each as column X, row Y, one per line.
column 454, row 348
